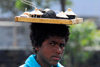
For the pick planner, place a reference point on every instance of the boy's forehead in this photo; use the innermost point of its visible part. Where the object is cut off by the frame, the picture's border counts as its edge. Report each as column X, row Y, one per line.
column 56, row 38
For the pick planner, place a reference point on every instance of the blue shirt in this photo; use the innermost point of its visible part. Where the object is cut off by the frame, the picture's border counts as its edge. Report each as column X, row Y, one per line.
column 31, row 62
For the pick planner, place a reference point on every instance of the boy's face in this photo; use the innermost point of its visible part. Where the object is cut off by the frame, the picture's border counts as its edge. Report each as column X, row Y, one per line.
column 51, row 50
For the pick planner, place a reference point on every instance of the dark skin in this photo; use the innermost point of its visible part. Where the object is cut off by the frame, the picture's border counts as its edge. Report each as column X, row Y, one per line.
column 51, row 51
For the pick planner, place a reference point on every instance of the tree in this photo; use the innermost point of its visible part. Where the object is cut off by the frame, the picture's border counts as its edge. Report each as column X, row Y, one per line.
column 21, row 6
column 44, row 3
column 64, row 3
column 82, row 35
column 38, row 3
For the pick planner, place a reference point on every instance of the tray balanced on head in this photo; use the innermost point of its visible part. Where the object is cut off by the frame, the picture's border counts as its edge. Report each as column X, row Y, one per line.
column 48, row 20
column 49, row 16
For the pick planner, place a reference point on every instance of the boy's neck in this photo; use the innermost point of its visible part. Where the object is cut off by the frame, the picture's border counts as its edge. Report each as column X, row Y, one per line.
column 42, row 63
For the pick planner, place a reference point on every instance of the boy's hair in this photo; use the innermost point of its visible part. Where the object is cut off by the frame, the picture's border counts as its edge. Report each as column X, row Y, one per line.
column 40, row 32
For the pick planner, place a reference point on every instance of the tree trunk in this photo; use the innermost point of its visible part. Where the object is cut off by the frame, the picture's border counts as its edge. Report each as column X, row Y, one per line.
column 63, row 4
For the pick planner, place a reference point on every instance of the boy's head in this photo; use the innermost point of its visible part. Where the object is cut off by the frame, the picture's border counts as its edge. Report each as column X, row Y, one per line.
column 41, row 32
column 48, row 41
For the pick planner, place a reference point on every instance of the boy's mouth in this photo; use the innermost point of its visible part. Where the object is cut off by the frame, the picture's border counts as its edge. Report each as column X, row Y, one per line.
column 57, row 58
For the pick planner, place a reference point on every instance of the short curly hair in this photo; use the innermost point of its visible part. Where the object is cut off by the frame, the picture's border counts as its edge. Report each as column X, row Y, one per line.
column 40, row 32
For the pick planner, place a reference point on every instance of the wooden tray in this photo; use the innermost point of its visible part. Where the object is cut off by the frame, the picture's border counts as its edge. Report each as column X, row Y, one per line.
column 48, row 20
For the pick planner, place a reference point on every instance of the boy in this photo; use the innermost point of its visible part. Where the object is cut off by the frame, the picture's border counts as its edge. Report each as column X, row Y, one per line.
column 48, row 41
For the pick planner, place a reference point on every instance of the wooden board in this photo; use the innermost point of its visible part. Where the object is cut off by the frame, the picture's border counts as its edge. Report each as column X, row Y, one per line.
column 48, row 20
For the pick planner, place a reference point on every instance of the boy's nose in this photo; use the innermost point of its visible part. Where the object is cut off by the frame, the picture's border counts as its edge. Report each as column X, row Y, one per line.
column 59, row 50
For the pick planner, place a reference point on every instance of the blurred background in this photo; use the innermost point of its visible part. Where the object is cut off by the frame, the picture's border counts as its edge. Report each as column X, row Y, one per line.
column 83, row 48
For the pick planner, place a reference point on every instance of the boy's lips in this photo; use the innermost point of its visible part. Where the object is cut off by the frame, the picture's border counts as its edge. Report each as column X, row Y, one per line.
column 56, row 58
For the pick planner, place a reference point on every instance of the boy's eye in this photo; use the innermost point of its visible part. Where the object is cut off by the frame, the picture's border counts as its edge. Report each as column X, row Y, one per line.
column 52, row 43
column 62, row 45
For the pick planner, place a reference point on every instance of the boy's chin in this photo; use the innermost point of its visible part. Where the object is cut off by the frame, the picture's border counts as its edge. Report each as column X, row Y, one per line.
column 54, row 63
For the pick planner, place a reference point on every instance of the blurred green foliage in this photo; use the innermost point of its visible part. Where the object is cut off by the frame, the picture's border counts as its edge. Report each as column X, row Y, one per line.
column 68, row 2
column 81, row 35
column 21, row 6
column 38, row 3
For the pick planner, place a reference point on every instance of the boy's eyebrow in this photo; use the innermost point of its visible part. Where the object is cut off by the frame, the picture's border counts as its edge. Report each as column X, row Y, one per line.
column 56, row 42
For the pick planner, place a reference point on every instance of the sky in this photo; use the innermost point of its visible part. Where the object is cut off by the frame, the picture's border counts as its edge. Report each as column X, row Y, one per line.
column 87, row 7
